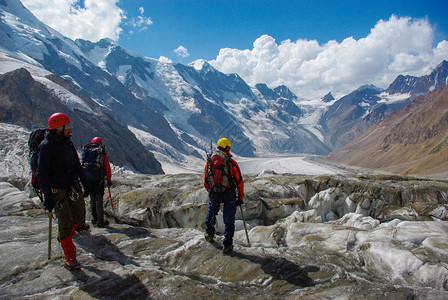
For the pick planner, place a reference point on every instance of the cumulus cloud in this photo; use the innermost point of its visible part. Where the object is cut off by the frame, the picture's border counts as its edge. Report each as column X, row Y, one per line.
column 93, row 20
column 395, row 46
column 165, row 59
column 181, row 51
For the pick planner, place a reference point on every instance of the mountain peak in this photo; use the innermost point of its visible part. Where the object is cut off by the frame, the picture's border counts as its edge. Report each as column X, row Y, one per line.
column 370, row 87
column 417, row 86
column 106, row 42
column 266, row 91
column 443, row 64
column 200, row 64
column 285, row 92
column 328, row 98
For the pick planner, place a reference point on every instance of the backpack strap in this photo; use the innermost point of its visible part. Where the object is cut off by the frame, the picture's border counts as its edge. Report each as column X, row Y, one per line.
column 239, row 173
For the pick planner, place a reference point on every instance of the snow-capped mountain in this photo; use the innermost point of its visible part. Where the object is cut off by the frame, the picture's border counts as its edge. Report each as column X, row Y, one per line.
column 417, row 86
column 28, row 101
column 202, row 104
column 183, row 106
column 351, row 115
column 176, row 110
column 412, row 140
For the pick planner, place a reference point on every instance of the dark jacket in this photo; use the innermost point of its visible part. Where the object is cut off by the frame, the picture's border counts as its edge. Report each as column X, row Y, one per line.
column 58, row 164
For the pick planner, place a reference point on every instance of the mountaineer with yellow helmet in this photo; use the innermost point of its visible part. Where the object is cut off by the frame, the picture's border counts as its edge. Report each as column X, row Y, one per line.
column 222, row 177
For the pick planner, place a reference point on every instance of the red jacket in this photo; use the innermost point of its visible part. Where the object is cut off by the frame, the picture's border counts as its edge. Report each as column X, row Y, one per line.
column 235, row 172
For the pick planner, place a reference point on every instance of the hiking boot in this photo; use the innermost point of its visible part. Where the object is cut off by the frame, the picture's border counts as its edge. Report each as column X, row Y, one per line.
column 227, row 249
column 71, row 264
column 82, row 227
column 103, row 223
column 208, row 237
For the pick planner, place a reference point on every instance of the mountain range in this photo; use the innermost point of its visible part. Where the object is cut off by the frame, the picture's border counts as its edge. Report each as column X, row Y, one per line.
column 22, row 96
column 411, row 141
column 149, row 111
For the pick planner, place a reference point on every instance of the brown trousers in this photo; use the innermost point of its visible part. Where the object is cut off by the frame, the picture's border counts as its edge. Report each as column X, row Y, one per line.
column 68, row 212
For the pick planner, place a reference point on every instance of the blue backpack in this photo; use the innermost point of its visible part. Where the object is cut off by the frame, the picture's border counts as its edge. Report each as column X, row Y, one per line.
column 92, row 161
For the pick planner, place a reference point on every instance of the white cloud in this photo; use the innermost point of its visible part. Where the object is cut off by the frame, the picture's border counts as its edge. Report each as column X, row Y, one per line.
column 140, row 21
column 395, row 46
column 95, row 20
column 164, row 59
column 181, row 51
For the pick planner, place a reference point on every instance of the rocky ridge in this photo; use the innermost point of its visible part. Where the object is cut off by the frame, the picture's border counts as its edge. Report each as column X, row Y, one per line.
column 417, row 86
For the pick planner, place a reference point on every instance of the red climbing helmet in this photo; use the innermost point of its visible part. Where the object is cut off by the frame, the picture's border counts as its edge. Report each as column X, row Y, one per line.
column 97, row 139
column 57, row 120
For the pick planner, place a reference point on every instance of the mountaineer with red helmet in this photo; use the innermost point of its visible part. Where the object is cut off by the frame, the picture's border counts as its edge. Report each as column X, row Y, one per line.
column 96, row 167
column 59, row 172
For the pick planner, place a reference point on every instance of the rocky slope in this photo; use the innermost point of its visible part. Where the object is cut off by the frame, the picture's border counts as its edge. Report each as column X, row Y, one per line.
column 413, row 140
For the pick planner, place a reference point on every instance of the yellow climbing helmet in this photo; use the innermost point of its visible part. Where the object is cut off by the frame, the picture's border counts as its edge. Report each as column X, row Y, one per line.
column 223, row 143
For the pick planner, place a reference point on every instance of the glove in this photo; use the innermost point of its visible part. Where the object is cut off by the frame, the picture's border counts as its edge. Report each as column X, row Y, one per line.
column 238, row 202
column 49, row 203
column 109, row 184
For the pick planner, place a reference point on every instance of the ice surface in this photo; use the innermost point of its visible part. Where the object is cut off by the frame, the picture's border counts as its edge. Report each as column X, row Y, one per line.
column 280, row 165
column 300, row 255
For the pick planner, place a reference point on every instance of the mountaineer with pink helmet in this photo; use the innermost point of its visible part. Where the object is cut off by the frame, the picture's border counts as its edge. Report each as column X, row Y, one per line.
column 96, row 166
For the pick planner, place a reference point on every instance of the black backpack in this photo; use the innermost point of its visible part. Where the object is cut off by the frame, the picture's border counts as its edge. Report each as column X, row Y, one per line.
column 218, row 172
column 34, row 140
column 92, row 161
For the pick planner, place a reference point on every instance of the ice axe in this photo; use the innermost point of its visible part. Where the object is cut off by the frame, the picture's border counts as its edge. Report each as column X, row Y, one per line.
column 50, row 226
column 110, row 196
column 244, row 223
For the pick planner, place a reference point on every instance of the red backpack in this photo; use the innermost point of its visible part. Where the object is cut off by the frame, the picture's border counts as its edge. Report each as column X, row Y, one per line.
column 218, row 172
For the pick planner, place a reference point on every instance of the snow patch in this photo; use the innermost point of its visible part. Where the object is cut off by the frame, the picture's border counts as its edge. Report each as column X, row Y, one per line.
column 198, row 64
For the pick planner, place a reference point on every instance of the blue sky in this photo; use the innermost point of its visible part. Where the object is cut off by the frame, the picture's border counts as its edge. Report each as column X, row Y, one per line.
column 204, row 27
column 313, row 47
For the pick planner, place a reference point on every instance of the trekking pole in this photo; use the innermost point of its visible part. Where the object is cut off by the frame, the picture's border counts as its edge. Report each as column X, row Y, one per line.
column 50, row 225
column 110, row 196
column 245, row 228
